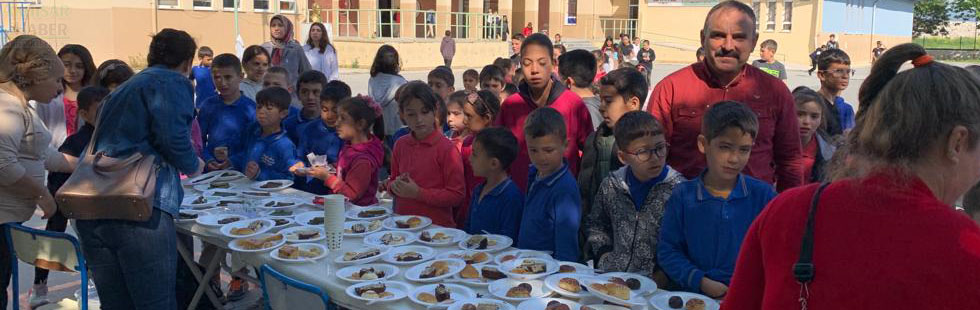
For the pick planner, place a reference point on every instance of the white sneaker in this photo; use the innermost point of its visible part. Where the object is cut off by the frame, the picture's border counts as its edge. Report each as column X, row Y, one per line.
column 39, row 296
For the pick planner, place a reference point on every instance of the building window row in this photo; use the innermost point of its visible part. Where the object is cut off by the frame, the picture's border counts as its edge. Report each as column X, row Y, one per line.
column 228, row 5
column 786, row 21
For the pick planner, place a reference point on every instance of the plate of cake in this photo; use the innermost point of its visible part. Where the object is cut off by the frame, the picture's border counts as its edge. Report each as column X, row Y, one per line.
column 683, row 301
column 518, row 290
column 300, row 253
column 568, row 284
column 390, row 238
column 247, row 228
column 406, row 222
column 486, row 243
column 218, row 219
column 441, row 236
column 549, row 304
column 368, row 213
column 368, row 272
column 505, row 257
column 440, row 296
column 303, row 234
column 272, row 185
column 260, row 243
column 469, row 256
column 278, row 203
column 361, row 228
column 435, row 270
column 529, row 268
column 481, row 304
column 310, row 218
column 378, row 291
column 362, row 256
column 479, row 275
column 408, row 255
column 613, row 292
column 637, row 283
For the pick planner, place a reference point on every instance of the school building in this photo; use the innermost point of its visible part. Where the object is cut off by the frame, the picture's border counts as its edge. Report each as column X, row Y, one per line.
column 121, row 28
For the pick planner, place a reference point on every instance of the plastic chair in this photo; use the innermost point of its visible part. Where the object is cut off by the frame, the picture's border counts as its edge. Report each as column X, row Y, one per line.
column 281, row 283
column 46, row 249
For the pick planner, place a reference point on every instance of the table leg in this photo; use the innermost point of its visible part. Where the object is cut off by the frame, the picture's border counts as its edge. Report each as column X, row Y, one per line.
column 204, row 281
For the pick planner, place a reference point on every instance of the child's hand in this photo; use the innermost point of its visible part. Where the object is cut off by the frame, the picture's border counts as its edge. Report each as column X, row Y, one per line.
column 319, row 172
column 404, row 186
column 214, row 165
column 712, row 288
column 299, row 169
column 252, row 170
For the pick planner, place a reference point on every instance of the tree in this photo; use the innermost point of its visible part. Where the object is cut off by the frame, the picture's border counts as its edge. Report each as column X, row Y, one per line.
column 932, row 17
column 967, row 10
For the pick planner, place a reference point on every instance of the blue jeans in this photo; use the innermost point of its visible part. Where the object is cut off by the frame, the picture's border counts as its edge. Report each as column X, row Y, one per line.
column 133, row 264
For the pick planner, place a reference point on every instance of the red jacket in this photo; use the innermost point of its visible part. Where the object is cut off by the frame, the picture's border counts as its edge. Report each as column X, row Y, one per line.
column 436, row 166
column 680, row 100
column 883, row 242
column 578, row 125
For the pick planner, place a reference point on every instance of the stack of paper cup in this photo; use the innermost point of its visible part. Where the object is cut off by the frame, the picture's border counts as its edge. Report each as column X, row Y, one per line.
column 333, row 220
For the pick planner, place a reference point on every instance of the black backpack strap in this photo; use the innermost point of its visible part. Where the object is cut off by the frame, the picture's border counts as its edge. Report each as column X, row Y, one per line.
column 803, row 269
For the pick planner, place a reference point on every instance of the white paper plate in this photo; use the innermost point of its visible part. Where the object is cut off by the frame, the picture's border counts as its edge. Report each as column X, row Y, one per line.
column 608, row 307
column 513, row 254
column 285, row 221
column 302, row 246
column 503, row 242
column 635, row 299
column 211, row 220
column 462, row 254
column 550, row 267
column 235, row 246
column 260, row 186
column 305, row 218
column 647, row 286
column 579, row 268
column 274, row 202
column 481, row 282
column 382, row 253
column 499, row 289
column 391, row 222
column 455, row 235
column 223, row 193
column 389, row 270
column 280, row 213
column 456, row 292
column 213, row 176
column 292, row 234
column 264, row 226
column 426, row 252
column 254, row 194
column 353, row 213
column 231, row 202
column 500, row 304
column 196, row 213
column 541, row 303
column 367, row 224
column 397, row 288
column 229, row 175
column 660, row 301
column 414, row 274
column 209, row 202
column 552, row 283
column 213, row 186
column 375, row 238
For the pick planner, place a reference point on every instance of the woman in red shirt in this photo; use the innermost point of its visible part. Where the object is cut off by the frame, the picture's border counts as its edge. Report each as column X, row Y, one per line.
column 884, row 235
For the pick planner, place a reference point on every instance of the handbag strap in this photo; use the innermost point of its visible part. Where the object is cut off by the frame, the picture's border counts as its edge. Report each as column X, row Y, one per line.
column 803, row 269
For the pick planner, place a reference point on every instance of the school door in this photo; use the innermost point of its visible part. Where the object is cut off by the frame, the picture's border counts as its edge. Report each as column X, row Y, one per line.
column 544, row 15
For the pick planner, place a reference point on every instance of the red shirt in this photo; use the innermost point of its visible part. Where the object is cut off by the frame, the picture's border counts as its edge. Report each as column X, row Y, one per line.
column 578, row 126
column 810, row 158
column 882, row 242
column 680, row 100
column 436, row 166
column 71, row 115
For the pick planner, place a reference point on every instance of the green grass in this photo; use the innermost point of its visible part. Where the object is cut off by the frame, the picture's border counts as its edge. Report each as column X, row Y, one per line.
column 963, row 43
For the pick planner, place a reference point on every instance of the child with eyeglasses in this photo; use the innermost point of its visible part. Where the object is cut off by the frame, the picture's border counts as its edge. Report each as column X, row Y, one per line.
column 835, row 74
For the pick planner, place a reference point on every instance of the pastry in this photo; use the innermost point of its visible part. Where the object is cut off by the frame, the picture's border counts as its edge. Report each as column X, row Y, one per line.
column 522, row 290
column 280, row 222
column 556, row 305
column 570, row 285
column 223, row 194
column 217, row 185
column 392, row 239
column 508, row 257
column 259, row 243
column 307, row 234
column 473, row 258
column 617, row 280
column 375, row 225
column 408, row 257
column 281, row 213
column 491, row 273
column 480, row 307
column 371, row 213
column 469, row 272
column 367, row 274
column 316, row 221
column 229, row 220
column 356, row 229
column 411, row 222
column 478, row 242
column 566, row 269
column 294, row 252
column 271, row 185
column 436, row 269
column 633, row 284
column 694, row 304
column 427, row 298
column 352, row 256
column 373, row 291
column 675, row 302
column 251, row 229
column 530, row 266
column 259, row 194
column 438, row 237
column 442, row 293
column 612, row 289
column 200, row 200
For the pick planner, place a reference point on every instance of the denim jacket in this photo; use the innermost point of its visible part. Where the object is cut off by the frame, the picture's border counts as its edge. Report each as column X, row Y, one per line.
column 152, row 113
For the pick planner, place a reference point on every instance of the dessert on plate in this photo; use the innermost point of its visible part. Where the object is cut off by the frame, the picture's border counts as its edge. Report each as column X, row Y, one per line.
column 352, row 256
column 522, row 290
column 367, row 274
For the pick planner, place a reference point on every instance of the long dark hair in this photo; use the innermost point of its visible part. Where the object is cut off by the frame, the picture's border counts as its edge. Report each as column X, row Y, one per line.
column 324, row 39
column 363, row 109
column 386, row 61
column 88, row 79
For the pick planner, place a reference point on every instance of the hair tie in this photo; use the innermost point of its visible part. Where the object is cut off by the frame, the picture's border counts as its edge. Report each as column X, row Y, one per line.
column 373, row 105
column 923, row 60
column 472, row 97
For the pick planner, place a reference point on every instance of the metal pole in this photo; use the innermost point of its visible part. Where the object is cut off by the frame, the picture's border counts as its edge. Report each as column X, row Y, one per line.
column 237, row 33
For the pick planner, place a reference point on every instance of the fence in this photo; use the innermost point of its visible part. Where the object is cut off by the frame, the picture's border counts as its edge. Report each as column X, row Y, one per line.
column 954, row 43
column 414, row 24
column 613, row 27
column 12, row 15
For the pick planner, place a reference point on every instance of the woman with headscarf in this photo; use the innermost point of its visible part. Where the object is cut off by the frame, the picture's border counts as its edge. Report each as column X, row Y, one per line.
column 286, row 52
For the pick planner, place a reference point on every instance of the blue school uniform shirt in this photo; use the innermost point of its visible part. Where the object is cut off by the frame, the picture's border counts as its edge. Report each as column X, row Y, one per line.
column 552, row 214
column 293, row 123
column 274, row 154
column 319, row 139
column 499, row 212
column 223, row 124
column 700, row 234
column 846, row 113
column 204, row 87
column 639, row 190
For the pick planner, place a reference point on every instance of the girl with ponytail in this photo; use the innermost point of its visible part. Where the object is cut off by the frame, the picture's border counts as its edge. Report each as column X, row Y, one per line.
column 883, row 234
column 359, row 124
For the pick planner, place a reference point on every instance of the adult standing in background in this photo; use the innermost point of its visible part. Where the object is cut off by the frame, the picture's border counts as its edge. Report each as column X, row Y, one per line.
column 877, row 52
column 321, row 53
column 505, row 27
column 383, row 85
column 133, row 263
column 29, row 71
column 448, row 49
column 286, row 51
column 680, row 100
column 832, row 43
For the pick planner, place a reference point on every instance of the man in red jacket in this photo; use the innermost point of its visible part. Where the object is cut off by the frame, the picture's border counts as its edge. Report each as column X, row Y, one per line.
column 680, row 100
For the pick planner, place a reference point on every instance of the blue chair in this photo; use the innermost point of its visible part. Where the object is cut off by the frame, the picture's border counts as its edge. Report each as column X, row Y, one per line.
column 280, row 284
column 46, row 249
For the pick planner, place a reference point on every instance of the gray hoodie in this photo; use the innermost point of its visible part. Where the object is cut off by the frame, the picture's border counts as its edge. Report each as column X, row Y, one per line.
column 382, row 88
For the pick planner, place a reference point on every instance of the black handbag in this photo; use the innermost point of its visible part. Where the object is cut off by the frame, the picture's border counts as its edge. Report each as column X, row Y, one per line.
column 803, row 269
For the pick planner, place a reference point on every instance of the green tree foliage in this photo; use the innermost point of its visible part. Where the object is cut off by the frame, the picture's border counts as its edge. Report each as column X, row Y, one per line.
column 932, row 17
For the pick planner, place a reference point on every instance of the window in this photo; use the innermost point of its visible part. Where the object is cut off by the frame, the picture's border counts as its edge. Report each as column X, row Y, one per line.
column 168, row 3
column 230, row 4
column 572, row 17
column 202, row 4
column 771, row 22
column 287, row 6
column 757, row 9
column 261, row 5
column 787, row 15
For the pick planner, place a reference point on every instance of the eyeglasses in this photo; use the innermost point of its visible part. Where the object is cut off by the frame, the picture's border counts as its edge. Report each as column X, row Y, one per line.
column 646, row 154
column 840, row 72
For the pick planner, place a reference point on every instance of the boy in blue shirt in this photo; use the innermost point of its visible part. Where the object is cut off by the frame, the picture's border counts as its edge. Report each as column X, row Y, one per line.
column 552, row 208
column 707, row 217
column 320, row 138
column 308, row 88
column 224, row 117
column 497, row 203
column 201, row 77
column 835, row 75
column 269, row 154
